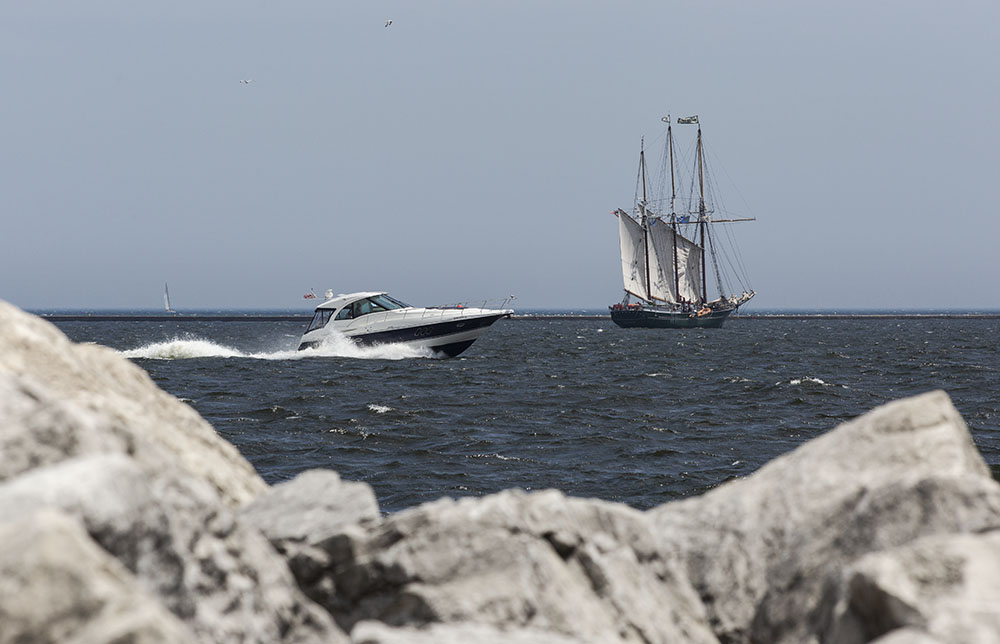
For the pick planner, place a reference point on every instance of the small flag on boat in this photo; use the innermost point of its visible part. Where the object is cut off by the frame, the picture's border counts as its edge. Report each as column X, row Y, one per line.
column 687, row 119
column 309, row 296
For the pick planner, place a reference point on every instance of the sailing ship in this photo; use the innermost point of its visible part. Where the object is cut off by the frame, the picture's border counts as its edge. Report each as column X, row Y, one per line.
column 666, row 254
column 166, row 299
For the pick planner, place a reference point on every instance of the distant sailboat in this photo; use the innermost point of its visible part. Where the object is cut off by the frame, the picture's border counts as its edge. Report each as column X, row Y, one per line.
column 166, row 299
column 666, row 255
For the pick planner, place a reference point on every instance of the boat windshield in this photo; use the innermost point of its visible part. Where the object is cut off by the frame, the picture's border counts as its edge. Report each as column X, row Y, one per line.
column 320, row 319
column 389, row 303
column 375, row 304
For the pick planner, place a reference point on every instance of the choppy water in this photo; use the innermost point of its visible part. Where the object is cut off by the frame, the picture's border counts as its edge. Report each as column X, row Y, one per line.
column 637, row 416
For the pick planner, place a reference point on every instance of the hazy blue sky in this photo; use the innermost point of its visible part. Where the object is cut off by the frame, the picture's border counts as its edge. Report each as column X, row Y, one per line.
column 474, row 149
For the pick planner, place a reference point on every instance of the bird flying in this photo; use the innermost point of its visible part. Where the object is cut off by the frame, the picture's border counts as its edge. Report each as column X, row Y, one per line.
column 247, row 81
column 388, row 22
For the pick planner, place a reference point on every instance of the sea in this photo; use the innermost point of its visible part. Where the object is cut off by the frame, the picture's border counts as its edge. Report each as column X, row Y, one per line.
column 556, row 399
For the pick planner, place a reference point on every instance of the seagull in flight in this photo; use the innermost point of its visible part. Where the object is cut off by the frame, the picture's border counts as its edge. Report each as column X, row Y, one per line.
column 388, row 22
column 247, row 81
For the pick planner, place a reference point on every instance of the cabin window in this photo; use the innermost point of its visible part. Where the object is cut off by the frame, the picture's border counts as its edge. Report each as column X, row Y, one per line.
column 320, row 319
column 387, row 303
column 369, row 305
column 346, row 313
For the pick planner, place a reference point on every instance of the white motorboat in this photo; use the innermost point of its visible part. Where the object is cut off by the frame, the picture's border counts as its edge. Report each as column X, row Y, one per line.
column 370, row 318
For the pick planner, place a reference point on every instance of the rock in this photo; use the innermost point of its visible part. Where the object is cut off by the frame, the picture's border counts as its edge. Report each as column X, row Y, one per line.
column 379, row 633
column 89, row 434
column 945, row 587
column 766, row 553
column 311, row 506
column 299, row 517
column 40, row 429
column 907, row 636
column 119, row 401
column 569, row 568
column 183, row 545
column 57, row 586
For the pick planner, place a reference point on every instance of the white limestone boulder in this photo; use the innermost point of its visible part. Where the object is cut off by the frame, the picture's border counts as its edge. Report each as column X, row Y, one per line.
column 467, row 633
column 299, row 517
column 572, row 568
column 766, row 553
column 56, row 585
column 944, row 587
column 182, row 544
column 85, row 432
column 127, row 409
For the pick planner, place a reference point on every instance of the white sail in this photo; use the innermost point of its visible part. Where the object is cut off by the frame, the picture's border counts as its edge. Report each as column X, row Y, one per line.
column 689, row 269
column 166, row 299
column 661, row 271
column 633, row 255
column 661, row 261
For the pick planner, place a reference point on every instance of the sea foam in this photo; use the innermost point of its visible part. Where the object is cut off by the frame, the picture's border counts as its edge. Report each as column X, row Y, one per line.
column 334, row 346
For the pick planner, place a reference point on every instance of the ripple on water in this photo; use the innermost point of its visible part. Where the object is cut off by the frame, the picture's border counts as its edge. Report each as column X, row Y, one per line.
column 638, row 416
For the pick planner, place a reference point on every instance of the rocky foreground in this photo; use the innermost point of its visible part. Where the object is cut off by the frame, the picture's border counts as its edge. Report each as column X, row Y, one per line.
column 124, row 517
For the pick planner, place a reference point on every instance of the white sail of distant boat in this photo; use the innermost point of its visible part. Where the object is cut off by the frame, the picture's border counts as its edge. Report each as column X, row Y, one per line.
column 166, row 299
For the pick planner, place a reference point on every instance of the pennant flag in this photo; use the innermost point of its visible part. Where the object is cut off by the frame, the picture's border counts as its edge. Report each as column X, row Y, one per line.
column 687, row 119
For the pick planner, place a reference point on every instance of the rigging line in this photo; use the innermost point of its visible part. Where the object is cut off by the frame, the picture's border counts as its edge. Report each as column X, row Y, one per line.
column 663, row 176
column 695, row 194
column 715, row 265
column 742, row 274
column 718, row 197
column 736, row 187
column 638, row 183
column 728, row 276
column 661, row 183
column 738, row 275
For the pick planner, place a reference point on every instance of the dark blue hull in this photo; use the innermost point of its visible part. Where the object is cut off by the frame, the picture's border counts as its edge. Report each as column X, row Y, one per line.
column 448, row 338
column 650, row 318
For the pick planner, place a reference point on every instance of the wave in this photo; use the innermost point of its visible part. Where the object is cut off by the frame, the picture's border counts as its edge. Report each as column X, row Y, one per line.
column 178, row 349
column 809, row 380
column 334, row 346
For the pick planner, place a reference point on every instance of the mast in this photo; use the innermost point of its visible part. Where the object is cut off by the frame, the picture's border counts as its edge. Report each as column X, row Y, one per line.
column 673, row 197
column 701, row 215
column 642, row 208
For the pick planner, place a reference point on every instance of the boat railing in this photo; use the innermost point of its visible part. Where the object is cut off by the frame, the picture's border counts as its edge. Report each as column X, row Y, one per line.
column 489, row 303
column 439, row 311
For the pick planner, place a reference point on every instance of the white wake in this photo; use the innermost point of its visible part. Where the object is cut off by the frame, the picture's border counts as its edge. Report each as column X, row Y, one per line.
column 334, row 346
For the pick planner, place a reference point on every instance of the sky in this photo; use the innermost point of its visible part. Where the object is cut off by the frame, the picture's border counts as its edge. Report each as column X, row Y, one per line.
column 472, row 150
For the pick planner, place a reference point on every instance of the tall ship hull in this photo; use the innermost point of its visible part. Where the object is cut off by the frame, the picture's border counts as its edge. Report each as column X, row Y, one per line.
column 656, row 318
column 670, row 255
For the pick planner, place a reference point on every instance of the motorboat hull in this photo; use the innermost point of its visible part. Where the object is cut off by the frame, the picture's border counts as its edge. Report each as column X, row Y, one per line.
column 449, row 337
column 653, row 318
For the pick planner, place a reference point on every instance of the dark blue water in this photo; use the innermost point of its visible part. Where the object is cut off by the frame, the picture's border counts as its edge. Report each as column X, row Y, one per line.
column 636, row 416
